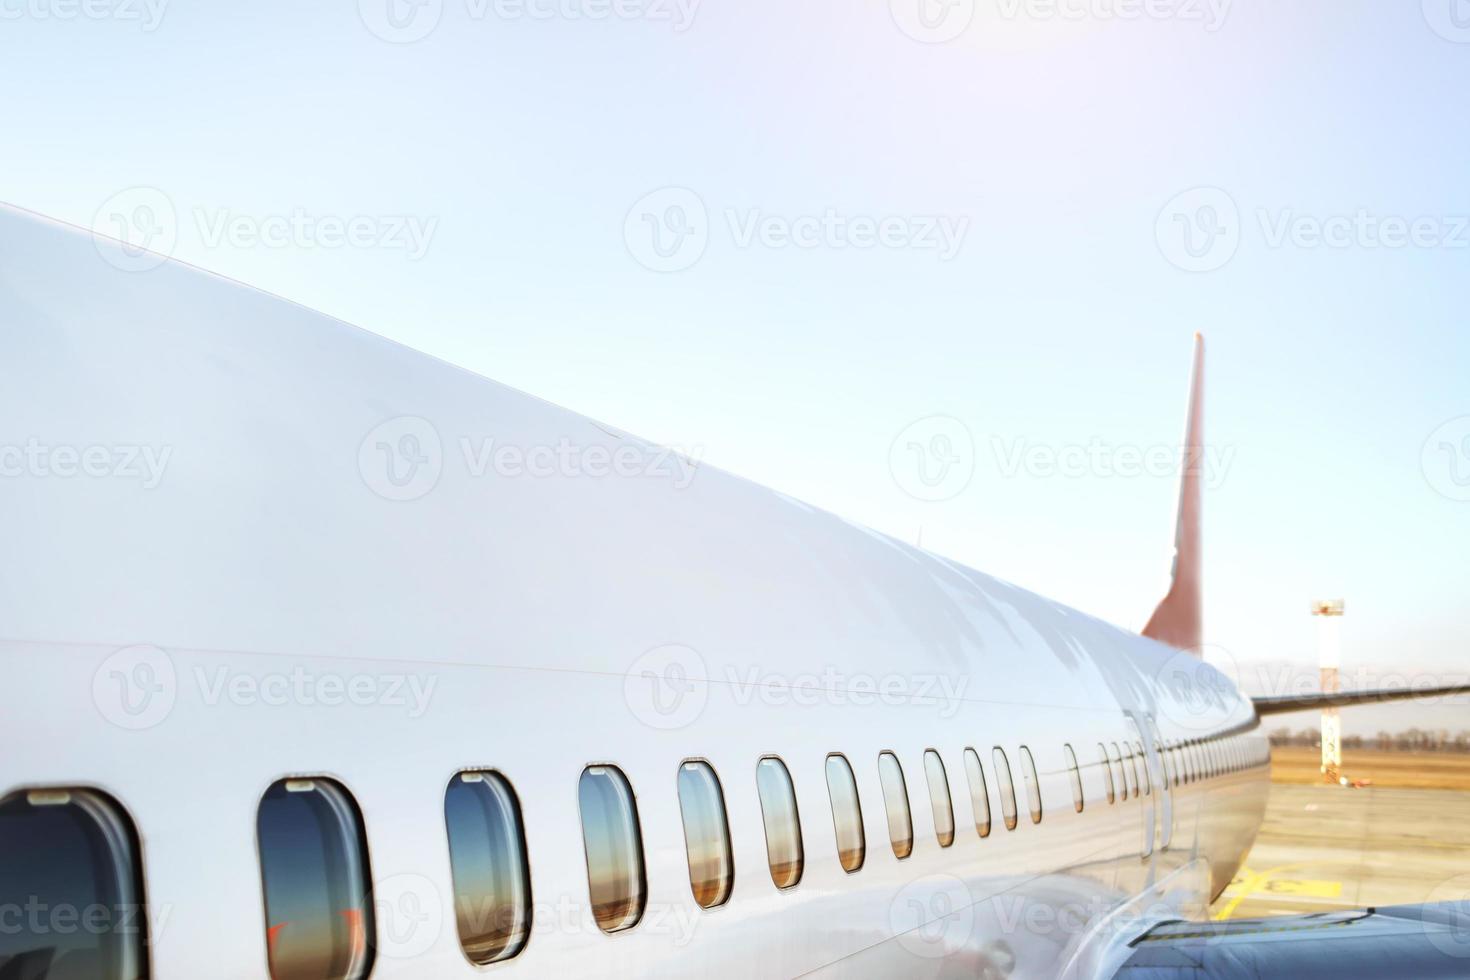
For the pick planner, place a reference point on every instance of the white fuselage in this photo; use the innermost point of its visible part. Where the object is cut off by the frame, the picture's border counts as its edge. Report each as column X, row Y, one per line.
column 296, row 620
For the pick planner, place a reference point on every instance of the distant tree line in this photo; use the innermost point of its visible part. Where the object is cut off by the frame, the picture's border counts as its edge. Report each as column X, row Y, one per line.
column 1413, row 740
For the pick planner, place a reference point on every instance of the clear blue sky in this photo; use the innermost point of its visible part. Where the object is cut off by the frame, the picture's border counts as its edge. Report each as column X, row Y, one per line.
column 1056, row 142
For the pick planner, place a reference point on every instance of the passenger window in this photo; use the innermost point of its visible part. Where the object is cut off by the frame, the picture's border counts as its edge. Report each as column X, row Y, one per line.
column 1171, row 777
column 1145, row 780
column 1007, row 787
column 70, row 849
column 1076, row 774
column 939, row 799
column 314, row 871
column 1117, row 758
column 979, row 796
column 896, row 802
column 1130, row 771
column 1107, row 771
column 783, row 822
column 1033, row 785
column 706, row 834
column 613, row 842
column 487, row 864
column 847, row 813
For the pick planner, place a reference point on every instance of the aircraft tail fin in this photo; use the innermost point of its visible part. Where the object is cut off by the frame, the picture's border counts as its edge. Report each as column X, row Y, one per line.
column 1179, row 620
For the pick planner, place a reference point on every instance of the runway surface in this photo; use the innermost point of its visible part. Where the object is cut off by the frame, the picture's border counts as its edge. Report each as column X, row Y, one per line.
column 1324, row 848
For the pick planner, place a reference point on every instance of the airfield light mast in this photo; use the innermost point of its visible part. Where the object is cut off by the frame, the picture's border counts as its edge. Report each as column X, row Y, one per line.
column 1329, row 654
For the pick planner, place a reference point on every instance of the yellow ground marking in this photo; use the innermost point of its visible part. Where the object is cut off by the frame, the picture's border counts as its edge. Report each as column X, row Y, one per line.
column 1248, row 883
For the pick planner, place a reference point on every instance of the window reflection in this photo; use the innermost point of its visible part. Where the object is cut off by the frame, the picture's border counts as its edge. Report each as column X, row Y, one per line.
column 1007, row 788
column 314, row 872
column 1144, row 779
column 70, row 849
column 939, row 798
column 706, row 834
column 1033, row 785
column 896, row 802
column 611, row 838
column 1107, row 772
column 487, row 861
column 847, row 813
column 979, row 796
column 1077, row 796
column 783, row 823
column 1122, row 771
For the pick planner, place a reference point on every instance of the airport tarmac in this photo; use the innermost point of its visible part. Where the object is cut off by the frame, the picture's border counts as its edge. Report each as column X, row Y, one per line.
column 1324, row 848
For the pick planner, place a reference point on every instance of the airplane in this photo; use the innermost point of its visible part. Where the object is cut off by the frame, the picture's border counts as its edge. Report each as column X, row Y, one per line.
column 325, row 659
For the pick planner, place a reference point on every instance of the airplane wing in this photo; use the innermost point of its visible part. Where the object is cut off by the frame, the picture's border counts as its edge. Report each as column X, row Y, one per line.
column 1278, row 704
column 1422, row 942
